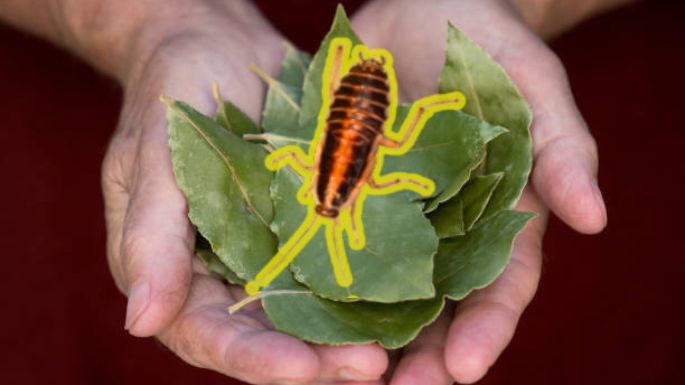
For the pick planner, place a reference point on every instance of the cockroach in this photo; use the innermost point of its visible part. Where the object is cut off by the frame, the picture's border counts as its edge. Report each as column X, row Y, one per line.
column 345, row 157
column 354, row 130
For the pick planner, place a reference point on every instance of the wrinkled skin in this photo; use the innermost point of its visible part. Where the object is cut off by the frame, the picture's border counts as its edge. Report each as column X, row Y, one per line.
column 150, row 241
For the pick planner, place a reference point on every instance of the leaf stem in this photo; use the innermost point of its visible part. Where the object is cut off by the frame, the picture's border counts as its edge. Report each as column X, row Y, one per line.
column 249, row 299
column 275, row 85
column 267, row 137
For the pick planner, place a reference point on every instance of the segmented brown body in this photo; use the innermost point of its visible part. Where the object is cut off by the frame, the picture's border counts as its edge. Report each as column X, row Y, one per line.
column 354, row 127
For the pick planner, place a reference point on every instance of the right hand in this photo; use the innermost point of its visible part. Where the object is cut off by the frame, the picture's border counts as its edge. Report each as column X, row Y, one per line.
column 462, row 346
column 150, row 240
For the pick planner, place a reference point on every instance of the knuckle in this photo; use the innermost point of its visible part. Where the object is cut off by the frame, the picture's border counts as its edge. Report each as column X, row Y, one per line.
column 118, row 164
column 525, row 284
column 133, row 243
column 133, row 247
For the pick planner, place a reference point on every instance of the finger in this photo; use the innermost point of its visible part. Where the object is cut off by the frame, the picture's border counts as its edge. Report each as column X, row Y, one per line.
column 565, row 176
column 116, row 201
column 157, row 243
column 423, row 360
column 237, row 345
column 565, row 168
column 485, row 321
column 361, row 363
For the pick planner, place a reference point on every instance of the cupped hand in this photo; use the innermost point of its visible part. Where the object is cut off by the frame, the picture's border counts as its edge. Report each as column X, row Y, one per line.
column 462, row 346
column 150, row 240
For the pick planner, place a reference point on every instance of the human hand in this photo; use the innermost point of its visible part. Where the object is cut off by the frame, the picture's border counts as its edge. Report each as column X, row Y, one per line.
column 462, row 346
column 150, row 240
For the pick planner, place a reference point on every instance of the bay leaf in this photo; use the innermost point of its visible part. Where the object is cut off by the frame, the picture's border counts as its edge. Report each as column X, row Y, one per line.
column 231, row 117
column 460, row 213
column 281, row 114
column 491, row 96
column 450, row 145
column 311, row 96
column 476, row 259
column 203, row 250
column 293, row 309
column 448, row 219
column 226, row 186
column 476, row 195
column 395, row 265
column 294, row 67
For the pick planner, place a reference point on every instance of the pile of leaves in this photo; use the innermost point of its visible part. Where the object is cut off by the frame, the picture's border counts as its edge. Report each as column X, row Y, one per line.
column 418, row 252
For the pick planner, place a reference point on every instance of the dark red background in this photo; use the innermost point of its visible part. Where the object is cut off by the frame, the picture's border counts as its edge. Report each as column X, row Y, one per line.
column 606, row 309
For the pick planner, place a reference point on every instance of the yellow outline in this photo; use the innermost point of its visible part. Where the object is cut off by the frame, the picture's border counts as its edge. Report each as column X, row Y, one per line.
column 348, row 221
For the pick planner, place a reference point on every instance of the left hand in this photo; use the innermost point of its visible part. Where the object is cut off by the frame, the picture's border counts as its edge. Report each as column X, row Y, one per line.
column 150, row 239
column 462, row 346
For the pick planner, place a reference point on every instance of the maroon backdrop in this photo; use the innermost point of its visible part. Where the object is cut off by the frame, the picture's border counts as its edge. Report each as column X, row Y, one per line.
column 606, row 309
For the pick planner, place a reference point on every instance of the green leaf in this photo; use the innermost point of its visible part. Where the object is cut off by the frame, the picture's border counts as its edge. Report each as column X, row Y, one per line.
column 311, row 97
column 281, row 114
column 232, row 117
column 226, row 186
column 451, row 144
column 203, row 250
column 460, row 213
column 295, row 310
column 294, row 67
column 476, row 259
column 476, row 195
column 395, row 265
column 448, row 219
column 493, row 97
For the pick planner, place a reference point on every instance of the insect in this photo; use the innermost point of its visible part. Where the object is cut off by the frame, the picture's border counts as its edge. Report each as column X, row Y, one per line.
column 345, row 158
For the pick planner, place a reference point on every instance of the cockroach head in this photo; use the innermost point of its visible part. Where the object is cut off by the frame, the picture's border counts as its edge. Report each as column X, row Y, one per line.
column 372, row 62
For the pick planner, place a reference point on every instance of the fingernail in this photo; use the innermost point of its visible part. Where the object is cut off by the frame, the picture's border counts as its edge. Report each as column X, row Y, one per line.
column 138, row 299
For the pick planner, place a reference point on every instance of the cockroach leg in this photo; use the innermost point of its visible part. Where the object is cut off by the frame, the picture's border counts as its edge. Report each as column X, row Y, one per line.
column 421, row 111
column 308, row 192
column 336, row 68
column 356, row 227
column 290, row 154
column 417, row 183
column 336, row 249
column 285, row 255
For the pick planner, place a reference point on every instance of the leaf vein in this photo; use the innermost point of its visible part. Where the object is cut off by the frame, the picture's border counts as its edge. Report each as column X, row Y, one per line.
column 228, row 164
column 469, row 79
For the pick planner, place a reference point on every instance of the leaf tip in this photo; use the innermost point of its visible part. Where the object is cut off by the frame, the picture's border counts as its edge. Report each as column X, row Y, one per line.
column 452, row 30
column 341, row 23
column 340, row 13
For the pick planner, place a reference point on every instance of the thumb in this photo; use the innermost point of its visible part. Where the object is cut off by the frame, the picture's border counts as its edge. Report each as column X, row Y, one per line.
column 565, row 153
column 157, row 244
